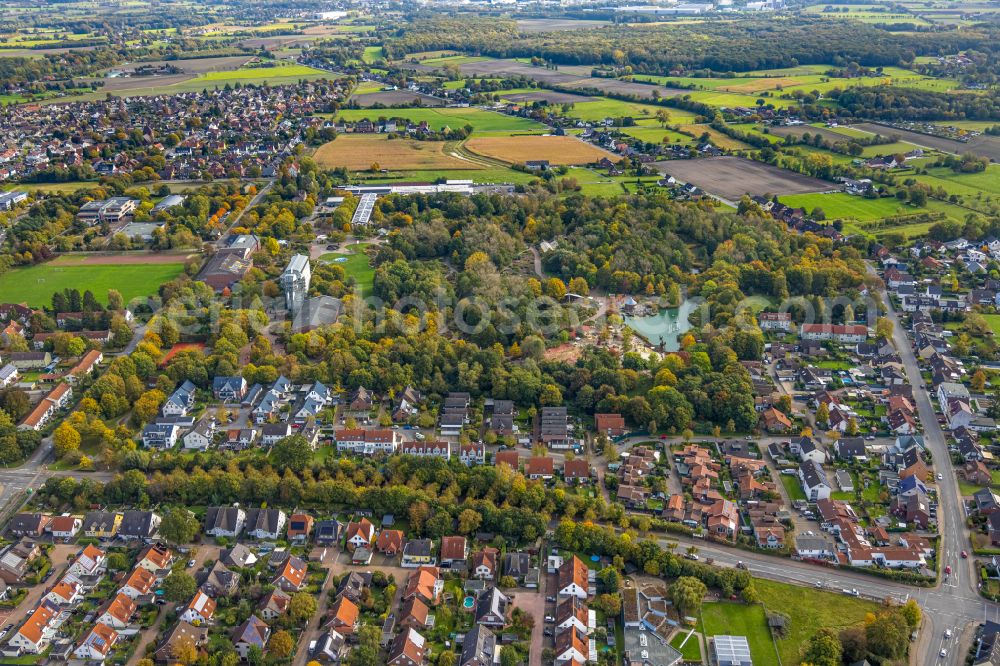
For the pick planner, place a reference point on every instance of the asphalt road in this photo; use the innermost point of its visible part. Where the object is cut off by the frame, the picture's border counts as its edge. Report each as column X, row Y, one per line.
column 955, row 602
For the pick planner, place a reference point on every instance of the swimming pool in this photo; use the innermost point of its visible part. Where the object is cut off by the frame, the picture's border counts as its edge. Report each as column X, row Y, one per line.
column 468, row 602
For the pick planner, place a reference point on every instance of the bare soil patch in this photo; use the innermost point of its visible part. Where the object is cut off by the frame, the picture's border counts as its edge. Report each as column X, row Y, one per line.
column 550, row 96
column 359, row 152
column 732, row 177
column 394, row 98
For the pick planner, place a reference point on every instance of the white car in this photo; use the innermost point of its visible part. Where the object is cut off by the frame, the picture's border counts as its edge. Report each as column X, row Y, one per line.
column 947, row 633
column 943, row 654
column 940, row 476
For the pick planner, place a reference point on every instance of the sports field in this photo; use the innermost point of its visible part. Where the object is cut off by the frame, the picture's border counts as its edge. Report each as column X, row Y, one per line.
column 35, row 285
column 520, row 149
column 359, row 152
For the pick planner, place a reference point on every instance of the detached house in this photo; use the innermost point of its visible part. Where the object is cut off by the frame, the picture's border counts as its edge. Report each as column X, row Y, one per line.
column 359, row 534
column 180, row 401
column 229, row 389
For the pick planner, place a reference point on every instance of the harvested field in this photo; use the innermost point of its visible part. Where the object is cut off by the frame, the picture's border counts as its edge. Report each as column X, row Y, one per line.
column 987, row 146
column 642, row 90
column 519, row 149
column 394, row 97
column 550, row 96
column 359, row 152
column 732, row 177
column 195, row 65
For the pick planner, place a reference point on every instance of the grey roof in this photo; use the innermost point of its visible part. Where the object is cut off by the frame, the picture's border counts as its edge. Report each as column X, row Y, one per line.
column 137, row 524
column 224, row 518
column 418, row 548
column 254, row 631
column 479, row 647
column 237, row 556
column 268, row 520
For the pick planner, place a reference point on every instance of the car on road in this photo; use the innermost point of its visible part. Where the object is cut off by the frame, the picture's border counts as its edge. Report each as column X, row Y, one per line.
column 943, row 654
column 947, row 633
column 940, row 476
column 947, row 570
column 552, row 599
column 692, row 556
column 549, row 618
column 965, row 555
column 741, row 565
column 819, row 584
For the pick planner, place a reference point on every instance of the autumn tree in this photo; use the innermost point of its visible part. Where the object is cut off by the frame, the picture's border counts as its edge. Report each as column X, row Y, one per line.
column 65, row 439
column 281, row 645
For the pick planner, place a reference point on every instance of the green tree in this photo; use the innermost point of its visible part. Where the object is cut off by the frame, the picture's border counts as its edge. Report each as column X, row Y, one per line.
column 911, row 613
column 823, row 649
column 888, row 636
column 179, row 587
column 687, row 594
column 301, row 607
column 179, row 526
column 292, row 452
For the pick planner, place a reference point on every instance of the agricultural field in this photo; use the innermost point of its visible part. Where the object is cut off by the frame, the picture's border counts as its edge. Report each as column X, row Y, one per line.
column 359, row 151
column 35, row 285
column 732, row 177
column 600, row 108
column 657, row 134
column 391, row 97
column 718, row 139
column 482, row 122
column 480, row 175
column 519, row 149
column 839, row 205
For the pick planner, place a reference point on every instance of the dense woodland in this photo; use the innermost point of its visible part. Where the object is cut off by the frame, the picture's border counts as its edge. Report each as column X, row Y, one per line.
column 660, row 49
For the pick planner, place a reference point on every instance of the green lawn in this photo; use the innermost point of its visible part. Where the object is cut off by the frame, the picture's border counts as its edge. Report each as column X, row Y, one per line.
column 994, row 321
column 793, row 487
column 737, row 619
column 35, row 285
column 373, row 53
column 839, row 205
column 808, row 611
column 356, row 265
column 692, row 648
column 481, row 121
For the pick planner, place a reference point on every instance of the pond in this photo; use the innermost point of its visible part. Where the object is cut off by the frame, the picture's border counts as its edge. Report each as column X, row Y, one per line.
column 666, row 326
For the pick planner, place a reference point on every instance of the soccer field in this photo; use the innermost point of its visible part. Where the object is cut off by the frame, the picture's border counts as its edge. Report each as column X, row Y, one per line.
column 35, row 285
